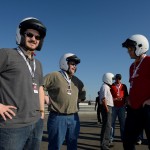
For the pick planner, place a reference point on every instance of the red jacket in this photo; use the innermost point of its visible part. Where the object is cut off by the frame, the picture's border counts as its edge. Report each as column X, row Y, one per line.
column 119, row 92
column 139, row 85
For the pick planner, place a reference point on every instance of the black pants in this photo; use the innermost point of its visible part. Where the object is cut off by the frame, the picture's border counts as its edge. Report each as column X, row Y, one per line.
column 136, row 121
column 99, row 114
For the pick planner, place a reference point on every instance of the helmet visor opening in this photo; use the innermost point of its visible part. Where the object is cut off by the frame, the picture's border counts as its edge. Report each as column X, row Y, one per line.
column 73, row 59
column 33, row 24
column 129, row 43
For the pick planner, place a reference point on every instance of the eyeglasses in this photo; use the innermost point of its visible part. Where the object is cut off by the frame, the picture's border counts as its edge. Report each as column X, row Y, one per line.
column 30, row 35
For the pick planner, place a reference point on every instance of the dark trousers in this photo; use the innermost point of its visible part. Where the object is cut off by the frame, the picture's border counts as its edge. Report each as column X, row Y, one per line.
column 136, row 121
column 99, row 114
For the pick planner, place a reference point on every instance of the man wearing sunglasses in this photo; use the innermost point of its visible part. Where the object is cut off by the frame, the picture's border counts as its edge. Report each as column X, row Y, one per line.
column 21, row 89
column 64, row 90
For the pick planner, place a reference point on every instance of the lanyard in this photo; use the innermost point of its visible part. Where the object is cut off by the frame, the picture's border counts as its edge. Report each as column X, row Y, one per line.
column 64, row 74
column 118, row 87
column 136, row 68
column 29, row 67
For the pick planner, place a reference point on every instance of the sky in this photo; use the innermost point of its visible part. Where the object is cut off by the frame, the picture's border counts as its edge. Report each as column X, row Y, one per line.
column 94, row 30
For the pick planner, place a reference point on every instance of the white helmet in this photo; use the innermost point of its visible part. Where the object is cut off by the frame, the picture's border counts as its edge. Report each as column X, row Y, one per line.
column 108, row 78
column 63, row 63
column 30, row 23
column 138, row 41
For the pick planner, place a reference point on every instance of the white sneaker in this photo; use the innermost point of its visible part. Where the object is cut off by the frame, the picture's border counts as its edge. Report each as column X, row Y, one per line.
column 139, row 142
column 111, row 141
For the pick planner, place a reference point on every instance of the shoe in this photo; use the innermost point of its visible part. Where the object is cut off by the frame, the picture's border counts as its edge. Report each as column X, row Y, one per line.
column 111, row 144
column 139, row 142
column 98, row 123
column 111, row 141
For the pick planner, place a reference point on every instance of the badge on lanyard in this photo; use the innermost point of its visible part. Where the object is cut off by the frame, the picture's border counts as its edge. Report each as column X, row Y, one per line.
column 35, row 89
column 69, row 90
column 64, row 74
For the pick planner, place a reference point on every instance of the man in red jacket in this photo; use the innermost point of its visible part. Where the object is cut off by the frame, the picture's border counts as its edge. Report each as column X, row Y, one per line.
column 119, row 92
column 138, row 111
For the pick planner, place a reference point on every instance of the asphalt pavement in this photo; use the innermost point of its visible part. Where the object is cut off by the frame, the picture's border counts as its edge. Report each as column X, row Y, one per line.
column 89, row 138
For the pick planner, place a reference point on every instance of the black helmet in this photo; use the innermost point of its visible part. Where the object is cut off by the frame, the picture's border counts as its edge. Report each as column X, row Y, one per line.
column 118, row 76
column 30, row 23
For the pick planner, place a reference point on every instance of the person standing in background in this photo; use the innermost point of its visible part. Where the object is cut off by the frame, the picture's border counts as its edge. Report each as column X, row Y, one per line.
column 64, row 90
column 107, row 101
column 120, row 93
column 21, row 89
column 98, row 108
column 138, row 110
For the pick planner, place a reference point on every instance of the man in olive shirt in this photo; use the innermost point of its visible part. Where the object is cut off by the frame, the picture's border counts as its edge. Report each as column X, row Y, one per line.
column 64, row 90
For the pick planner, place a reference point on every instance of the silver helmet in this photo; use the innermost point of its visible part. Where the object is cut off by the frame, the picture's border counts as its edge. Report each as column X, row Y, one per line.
column 63, row 63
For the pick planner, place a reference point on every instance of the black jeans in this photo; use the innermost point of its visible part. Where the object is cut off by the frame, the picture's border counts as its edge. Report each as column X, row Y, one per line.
column 99, row 110
column 136, row 121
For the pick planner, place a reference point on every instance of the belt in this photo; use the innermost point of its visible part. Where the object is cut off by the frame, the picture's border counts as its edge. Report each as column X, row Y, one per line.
column 61, row 114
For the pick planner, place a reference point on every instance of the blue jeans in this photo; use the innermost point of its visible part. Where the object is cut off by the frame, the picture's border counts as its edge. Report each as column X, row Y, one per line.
column 120, row 113
column 61, row 127
column 24, row 138
column 136, row 121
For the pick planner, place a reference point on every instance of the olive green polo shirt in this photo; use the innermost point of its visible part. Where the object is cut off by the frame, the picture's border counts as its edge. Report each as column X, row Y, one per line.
column 61, row 101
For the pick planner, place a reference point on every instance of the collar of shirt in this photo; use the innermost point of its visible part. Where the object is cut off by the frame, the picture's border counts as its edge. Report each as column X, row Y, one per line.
column 26, row 54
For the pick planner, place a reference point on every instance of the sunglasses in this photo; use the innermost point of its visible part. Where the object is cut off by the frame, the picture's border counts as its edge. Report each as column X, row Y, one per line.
column 30, row 35
column 73, row 64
